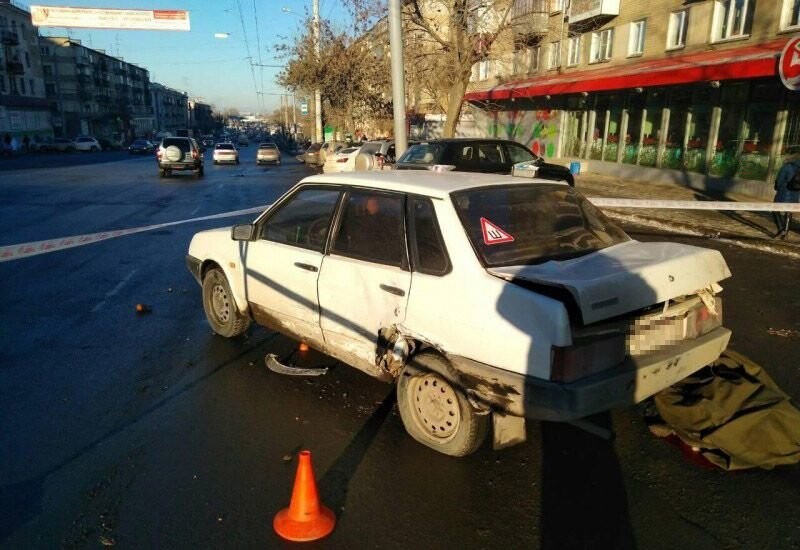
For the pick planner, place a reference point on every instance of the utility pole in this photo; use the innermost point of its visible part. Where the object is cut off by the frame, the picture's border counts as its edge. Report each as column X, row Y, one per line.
column 294, row 116
column 317, row 96
column 398, row 77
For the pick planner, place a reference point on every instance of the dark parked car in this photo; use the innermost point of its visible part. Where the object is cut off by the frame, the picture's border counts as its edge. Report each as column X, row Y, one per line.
column 179, row 153
column 493, row 156
column 141, row 147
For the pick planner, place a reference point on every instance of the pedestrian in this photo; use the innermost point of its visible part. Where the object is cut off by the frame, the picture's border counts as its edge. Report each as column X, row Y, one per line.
column 787, row 189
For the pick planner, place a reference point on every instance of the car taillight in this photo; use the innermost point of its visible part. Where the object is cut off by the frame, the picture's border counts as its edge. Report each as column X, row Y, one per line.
column 586, row 358
column 158, row 154
column 194, row 154
column 704, row 320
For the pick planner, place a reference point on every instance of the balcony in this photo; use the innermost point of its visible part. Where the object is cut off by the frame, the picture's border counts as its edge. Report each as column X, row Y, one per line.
column 9, row 38
column 120, row 72
column 530, row 17
column 82, row 61
column 585, row 11
column 15, row 68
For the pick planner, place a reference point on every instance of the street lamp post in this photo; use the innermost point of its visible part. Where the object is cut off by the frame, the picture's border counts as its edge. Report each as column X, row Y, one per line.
column 317, row 95
column 398, row 77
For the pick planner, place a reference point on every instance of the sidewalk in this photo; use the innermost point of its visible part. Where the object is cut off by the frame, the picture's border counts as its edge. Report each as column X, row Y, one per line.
column 748, row 229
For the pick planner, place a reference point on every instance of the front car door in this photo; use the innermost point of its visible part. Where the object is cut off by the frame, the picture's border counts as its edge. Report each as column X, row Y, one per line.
column 365, row 280
column 283, row 264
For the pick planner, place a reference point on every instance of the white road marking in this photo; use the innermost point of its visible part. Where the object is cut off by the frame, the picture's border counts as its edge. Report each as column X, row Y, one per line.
column 196, row 210
column 113, row 292
column 24, row 250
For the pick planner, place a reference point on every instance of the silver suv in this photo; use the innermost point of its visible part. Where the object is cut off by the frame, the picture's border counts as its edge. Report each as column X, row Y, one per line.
column 179, row 153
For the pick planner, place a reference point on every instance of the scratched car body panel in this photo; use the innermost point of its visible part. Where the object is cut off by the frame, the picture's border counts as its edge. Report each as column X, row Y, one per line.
column 537, row 305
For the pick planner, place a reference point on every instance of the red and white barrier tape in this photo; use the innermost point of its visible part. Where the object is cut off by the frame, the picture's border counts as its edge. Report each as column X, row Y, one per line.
column 24, row 250
column 607, row 202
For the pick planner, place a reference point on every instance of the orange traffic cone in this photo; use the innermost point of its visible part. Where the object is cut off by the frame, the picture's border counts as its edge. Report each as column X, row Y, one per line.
column 305, row 519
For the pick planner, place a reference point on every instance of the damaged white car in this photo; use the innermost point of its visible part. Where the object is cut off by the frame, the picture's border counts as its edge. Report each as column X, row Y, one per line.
column 488, row 299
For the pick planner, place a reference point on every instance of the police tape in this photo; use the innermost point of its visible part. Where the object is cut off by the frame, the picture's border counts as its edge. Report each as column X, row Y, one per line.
column 24, row 250
column 607, row 202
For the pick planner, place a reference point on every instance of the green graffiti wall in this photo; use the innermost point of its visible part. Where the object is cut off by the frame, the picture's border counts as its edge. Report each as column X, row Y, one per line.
column 536, row 129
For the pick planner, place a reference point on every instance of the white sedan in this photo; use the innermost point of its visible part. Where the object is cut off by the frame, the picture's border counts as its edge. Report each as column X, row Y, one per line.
column 226, row 153
column 342, row 161
column 487, row 299
column 86, row 143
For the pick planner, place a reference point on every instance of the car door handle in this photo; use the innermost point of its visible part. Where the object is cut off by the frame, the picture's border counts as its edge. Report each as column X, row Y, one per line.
column 393, row 290
column 307, row 267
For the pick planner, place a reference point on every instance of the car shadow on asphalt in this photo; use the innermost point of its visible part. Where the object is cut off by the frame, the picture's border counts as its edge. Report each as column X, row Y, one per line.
column 335, row 484
column 584, row 503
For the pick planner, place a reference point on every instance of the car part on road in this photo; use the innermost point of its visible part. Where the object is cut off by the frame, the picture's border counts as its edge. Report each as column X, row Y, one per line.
column 271, row 360
column 435, row 412
column 220, row 307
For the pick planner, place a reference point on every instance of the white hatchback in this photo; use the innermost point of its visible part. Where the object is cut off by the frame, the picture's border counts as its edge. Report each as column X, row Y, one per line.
column 87, row 143
column 487, row 299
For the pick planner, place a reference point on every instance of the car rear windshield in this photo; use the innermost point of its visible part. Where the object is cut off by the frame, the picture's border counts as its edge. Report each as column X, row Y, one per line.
column 422, row 153
column 314, row 148
column 267, row 146
column 531, row 224
column 371, row 148
column 182, row 143
column 139, row 142
column 224, row 146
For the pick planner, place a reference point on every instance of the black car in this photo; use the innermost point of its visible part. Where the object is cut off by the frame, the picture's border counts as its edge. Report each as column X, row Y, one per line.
column 179, row 153
column 493, row 156
column 140, row 147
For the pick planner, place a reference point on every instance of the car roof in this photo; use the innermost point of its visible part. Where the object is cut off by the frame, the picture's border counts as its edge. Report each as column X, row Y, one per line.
column 423, row 182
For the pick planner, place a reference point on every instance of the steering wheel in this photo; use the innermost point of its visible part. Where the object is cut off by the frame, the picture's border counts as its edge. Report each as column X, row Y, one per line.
column 316, row 231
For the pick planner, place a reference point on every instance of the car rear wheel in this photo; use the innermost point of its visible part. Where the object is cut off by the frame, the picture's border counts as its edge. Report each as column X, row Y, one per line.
column 220, row 307
column 436, row 412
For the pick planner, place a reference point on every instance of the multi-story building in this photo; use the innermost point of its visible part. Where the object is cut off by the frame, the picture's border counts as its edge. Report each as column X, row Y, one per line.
column 24, row 110
column 201, row 118
column 170, row 107
column 676, row 90
column 95, row 93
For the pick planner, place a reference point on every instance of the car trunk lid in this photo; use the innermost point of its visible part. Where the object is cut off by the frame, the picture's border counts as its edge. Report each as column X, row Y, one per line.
column 625, row 277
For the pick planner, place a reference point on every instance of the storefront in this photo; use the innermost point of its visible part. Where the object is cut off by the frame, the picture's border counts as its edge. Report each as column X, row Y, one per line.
column 721, row 117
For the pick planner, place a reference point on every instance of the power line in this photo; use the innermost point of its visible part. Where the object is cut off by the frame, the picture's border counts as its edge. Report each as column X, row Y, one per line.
column 258, row 45
column 249, row 55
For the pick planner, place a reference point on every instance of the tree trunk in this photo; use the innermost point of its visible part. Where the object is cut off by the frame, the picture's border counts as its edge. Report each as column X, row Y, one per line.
column 455, row 99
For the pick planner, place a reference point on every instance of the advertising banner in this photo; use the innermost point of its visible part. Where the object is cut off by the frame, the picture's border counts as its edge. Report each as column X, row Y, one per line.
column 102, row 18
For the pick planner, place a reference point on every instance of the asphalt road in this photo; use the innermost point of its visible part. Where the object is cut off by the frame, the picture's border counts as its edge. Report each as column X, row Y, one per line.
column 148, row 431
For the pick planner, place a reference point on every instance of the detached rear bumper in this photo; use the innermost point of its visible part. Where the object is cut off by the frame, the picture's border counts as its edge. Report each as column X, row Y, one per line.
column 632, row 381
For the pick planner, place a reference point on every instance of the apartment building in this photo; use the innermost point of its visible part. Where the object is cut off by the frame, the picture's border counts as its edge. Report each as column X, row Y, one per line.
column 170, row 108
column 24, row 110
column 94, row 93
column 675, row 90
column 201, row 118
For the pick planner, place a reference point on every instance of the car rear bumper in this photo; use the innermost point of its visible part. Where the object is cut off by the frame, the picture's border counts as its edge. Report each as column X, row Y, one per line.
column 179, row 166
column 632, row 381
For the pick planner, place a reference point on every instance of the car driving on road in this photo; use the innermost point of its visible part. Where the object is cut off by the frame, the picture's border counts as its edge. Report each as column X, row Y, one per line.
column 487, row 299
column 141, row 147
column 268, row 153
column 177, row 154
column 226, row 153
column 492, row 156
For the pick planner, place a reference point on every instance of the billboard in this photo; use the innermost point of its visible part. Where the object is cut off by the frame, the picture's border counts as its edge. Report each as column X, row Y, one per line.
column 102, row 18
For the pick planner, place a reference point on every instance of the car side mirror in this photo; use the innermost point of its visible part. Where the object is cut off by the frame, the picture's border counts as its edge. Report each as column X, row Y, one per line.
column 243, row 232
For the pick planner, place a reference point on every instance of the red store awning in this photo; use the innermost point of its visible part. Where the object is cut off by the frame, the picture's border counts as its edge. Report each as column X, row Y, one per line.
column 748, row 62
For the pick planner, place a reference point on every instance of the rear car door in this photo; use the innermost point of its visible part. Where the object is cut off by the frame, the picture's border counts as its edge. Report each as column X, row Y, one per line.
column 365, row 280
column 283, row 264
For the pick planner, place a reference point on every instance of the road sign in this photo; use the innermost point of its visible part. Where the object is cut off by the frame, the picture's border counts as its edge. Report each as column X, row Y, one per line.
column 789, row 64
column 101, row 18
column 304, row 108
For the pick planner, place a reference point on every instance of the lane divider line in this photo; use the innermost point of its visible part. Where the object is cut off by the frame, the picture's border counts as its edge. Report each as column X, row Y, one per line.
column 25, row 250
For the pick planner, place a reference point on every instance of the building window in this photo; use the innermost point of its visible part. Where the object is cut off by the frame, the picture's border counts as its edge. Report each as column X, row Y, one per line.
column 533, row 58
column 22, row 86
column 678, row 25
column 636, row 37
column 47, row 70
column 791, row 14
column 601, row 46
column 554, row 61
column 483, row 69
column 50, row 89
column 732, row 18
column 574, row 55
column 2, row 84
column 32, row 87
column 27, row 60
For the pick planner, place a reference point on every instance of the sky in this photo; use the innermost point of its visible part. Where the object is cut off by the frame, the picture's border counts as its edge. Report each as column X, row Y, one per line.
column 216, row 70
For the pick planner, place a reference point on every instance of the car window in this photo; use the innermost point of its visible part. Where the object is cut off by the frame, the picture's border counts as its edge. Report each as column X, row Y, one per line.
column 518, row 153
column 428, row 250
column 304, row 220
column 390, row 153
column 182, row 143
column 371, row 229
column 371, row 148
column 423, row 153
column 225, row 146
column 529, row 224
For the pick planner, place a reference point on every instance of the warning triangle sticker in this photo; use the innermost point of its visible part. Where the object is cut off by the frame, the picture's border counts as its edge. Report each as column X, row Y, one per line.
column 493, row 234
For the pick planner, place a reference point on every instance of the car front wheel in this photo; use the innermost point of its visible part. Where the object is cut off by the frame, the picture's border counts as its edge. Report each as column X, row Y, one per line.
column 436, row 412
column 220, row 307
